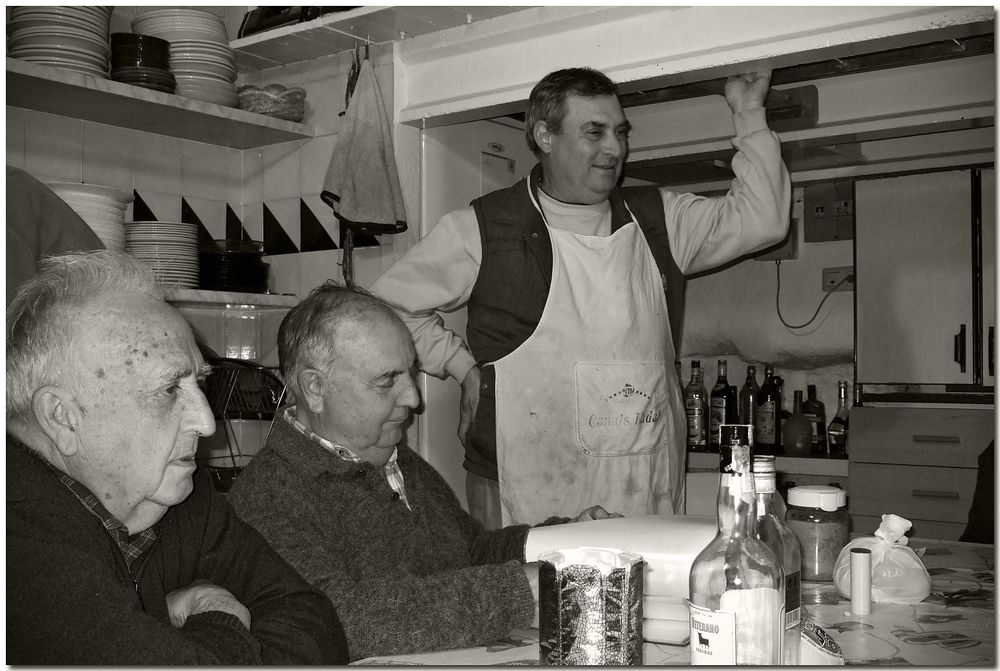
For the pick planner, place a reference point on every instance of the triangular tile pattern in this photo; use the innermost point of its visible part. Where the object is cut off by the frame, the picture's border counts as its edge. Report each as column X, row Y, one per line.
column 189, row 216
column 141, row 211
column 276, row 241
column 234, row 226
column 313, row 237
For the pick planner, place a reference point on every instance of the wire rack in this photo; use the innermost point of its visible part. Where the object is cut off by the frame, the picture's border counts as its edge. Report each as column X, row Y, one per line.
column 239, row 390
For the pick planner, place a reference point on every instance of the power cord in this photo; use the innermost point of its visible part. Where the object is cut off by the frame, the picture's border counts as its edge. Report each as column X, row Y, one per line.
column 777, row 298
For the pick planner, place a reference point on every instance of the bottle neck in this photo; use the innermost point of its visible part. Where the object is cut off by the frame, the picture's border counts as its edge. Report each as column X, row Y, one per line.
column 737, row 505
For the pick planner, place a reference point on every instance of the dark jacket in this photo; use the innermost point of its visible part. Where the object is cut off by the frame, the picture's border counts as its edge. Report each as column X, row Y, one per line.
column 403, row 581
column 71, row 598
column 511, row 290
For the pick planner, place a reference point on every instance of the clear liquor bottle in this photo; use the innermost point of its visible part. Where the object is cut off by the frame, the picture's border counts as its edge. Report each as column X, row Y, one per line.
column 736, row 583
column 836, row 433
column 777, row 535
column 815, row 412
column 748, row 398
column 722, row 405
column 768, row 421
column 696, row 409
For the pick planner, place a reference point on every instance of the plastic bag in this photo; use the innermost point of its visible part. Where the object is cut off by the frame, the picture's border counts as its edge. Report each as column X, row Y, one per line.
column 898, row 574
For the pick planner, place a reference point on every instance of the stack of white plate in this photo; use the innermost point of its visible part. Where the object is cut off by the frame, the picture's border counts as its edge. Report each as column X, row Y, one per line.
column 75, row 38
column 170, row 248
column 102, row 207
column 200, row 57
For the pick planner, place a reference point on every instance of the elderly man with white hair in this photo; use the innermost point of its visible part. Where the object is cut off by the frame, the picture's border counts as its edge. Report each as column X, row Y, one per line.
column 118, row 551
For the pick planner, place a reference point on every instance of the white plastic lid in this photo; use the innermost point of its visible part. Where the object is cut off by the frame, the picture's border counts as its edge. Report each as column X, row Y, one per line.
column 817, row 496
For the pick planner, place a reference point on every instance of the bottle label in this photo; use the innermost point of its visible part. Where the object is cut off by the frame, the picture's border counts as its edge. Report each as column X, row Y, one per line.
column 696, row 433
column 793, row 600
column 815, row 424
column 765, row 423
column 718, row 417
column 713, row 637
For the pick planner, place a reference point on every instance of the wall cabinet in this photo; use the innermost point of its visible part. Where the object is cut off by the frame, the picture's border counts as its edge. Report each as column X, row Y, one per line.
column 918, row 463
column 924, row 271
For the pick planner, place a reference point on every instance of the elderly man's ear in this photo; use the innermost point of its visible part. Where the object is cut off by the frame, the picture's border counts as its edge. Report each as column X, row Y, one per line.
column 311, row 382
column 59, row 416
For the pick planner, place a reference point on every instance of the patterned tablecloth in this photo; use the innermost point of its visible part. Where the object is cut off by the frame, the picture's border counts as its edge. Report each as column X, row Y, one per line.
column 955, row 625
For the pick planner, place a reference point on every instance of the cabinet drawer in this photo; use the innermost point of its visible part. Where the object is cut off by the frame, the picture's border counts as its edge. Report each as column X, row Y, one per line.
column 920, row 436
column 865, row 525
column 913, row 492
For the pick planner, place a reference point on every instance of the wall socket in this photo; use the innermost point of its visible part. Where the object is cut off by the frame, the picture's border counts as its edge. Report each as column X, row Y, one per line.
column 833, row 276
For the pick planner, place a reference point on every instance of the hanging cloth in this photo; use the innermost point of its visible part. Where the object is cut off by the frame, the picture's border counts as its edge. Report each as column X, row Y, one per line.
column 362, row 183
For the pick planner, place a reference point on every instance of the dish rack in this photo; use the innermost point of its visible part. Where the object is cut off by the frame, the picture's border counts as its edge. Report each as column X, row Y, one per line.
column 239, row 390
column 274, row 100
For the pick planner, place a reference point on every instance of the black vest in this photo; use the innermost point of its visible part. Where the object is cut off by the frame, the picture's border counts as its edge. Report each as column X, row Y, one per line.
column 512, row 287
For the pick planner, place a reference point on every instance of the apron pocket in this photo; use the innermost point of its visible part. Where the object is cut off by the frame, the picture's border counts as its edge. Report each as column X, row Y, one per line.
column 621, row 408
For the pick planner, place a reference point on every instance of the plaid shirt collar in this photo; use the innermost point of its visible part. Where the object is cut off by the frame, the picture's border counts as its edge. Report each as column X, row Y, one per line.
column 392, row 471
column 131, row 546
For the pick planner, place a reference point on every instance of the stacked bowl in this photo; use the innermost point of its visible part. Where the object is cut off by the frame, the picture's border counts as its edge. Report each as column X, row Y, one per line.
column 170, row 248
column 200, row 57
column 74, row 38
column 141, row 60
column 102, row 207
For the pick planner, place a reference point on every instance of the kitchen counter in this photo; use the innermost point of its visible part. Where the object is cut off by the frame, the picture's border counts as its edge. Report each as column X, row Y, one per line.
column 955, row 625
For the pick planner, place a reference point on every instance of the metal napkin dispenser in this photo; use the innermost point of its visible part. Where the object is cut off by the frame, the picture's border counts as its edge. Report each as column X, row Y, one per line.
column 590, row 607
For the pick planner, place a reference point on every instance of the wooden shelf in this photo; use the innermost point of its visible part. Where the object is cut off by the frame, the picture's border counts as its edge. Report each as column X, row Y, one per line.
column 343, row 31
column 82, row 96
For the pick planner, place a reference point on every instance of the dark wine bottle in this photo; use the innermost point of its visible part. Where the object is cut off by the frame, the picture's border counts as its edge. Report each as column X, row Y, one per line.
column 722, row 405
column 815, row 412
column 768, row 406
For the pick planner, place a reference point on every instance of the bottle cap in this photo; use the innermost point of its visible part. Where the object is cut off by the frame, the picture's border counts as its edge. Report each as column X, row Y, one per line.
column 817, row 496
column 735, row 448
column 763, row 463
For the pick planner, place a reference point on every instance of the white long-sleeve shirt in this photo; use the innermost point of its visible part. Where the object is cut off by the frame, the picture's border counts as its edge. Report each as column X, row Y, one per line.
column 440, row 271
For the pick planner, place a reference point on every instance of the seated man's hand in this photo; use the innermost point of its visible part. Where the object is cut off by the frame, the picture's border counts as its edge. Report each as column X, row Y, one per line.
column 595, row 513
column 202, row 596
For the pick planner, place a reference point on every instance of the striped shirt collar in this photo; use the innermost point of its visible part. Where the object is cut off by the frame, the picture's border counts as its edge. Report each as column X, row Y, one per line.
column 393, row 474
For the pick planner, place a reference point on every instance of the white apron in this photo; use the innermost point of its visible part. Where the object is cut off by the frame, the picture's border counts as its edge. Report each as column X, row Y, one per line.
column 589, row 408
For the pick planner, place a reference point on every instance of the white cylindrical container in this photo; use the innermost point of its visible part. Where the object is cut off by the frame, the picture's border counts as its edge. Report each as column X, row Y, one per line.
column 861, row 581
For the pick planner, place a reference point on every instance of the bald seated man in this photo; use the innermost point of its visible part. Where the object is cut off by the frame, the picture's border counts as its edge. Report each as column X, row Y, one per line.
column 119, row 549
column 360, row 515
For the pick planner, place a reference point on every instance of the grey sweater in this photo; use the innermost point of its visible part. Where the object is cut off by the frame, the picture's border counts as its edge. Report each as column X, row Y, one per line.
column 403, row 581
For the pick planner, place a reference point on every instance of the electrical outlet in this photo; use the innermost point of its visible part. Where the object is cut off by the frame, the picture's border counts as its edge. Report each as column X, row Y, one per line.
column 832, row 277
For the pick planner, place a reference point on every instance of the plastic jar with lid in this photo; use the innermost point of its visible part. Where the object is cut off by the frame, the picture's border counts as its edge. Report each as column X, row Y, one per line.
column 818, row 516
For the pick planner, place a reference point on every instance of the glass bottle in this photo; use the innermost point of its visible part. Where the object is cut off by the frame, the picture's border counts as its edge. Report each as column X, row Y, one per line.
column 748, row 398
column 777, row 535
column 780, row 414
column 768, row 405
column 722, row 405
column 836, row 432
column 815, row 412
column 696, row 408
column 736, row 583
column 796, row 431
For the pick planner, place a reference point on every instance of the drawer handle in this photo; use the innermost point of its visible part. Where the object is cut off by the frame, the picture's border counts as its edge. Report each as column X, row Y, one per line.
column 924, row 438
column 935, row 494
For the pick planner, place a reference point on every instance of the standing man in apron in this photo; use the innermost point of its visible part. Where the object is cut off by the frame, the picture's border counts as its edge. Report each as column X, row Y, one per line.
column 574, row 288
